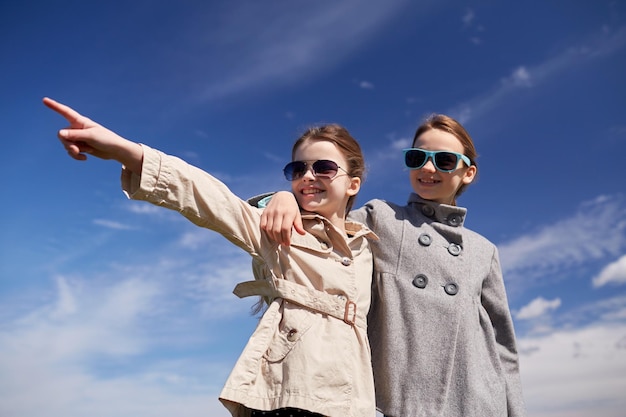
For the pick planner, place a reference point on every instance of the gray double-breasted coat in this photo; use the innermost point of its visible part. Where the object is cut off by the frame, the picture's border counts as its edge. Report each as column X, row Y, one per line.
column 440, row 328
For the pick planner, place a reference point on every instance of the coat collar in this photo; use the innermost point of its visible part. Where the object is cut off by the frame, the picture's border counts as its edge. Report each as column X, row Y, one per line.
column 354, row 229
column 451, row 215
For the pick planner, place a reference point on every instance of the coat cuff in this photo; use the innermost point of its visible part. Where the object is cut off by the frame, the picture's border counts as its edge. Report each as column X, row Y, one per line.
column 139, row 187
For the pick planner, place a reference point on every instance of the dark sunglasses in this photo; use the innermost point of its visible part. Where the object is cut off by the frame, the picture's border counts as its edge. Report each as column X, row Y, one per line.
column 444, row 161
column 322, row 168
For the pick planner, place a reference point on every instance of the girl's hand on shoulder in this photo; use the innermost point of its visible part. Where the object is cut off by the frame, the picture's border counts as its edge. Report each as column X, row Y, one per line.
column 280, row 216
column 85, row 137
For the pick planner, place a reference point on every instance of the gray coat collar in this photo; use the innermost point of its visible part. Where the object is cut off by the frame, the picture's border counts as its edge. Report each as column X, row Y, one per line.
column 451, row 215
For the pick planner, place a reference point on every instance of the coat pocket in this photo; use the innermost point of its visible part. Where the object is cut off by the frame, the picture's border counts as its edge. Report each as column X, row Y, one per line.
column 294, row 323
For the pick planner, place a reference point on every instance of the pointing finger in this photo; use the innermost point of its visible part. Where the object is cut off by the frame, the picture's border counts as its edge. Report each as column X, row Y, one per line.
column 71, row 115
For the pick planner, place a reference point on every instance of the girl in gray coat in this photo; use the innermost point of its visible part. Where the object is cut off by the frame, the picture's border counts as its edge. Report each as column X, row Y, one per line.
column 440, row 328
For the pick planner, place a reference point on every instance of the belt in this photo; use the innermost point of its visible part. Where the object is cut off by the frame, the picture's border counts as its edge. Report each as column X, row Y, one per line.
column 338, row 306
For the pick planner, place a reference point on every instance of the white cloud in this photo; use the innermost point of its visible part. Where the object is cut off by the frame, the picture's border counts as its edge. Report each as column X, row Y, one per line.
column 615, row 315
column 602, row 310
column 110, row 224
column 101, row 349
column 77, row 323
column 614, row 273
column 400, row 144
column 378, row 162
column 141, row 207
column 366, row 85
column 66, row 303
column 537, row 307
column 41, row 389
column 578, row 372
column 196, row 238
column 211, row 286
column 569, row 242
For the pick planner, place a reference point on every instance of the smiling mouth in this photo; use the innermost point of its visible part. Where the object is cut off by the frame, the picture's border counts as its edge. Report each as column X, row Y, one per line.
column 428, row 181
column 309, row 191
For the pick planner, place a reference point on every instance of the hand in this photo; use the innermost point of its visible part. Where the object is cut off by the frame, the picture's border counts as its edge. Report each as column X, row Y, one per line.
column 281, row 214
column 84, row 136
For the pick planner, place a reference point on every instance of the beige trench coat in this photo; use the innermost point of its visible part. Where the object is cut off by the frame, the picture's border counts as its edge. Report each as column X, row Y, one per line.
column 310, row 349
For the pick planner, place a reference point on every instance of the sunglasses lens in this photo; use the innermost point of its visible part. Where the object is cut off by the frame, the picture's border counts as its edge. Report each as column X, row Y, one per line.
column 294, row 170
column 446, row 161
column 414, row 158
column 325, row 168
column 322, row 168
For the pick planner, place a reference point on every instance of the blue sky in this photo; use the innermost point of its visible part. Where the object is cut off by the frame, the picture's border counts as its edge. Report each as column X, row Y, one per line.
column 115, row 308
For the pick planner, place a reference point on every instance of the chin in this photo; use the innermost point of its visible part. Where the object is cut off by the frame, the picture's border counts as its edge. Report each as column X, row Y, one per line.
column 307, row 206
column 425, row 194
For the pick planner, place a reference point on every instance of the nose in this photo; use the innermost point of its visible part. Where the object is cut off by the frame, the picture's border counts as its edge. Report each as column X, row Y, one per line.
column 429, row 165
column 308, row 174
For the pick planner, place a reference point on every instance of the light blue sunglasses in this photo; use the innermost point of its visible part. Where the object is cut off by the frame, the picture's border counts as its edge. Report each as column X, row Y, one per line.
column 444, row 161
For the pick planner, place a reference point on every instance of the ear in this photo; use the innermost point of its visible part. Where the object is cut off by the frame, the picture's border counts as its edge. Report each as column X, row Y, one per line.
column 354, row 187
column 469, row 175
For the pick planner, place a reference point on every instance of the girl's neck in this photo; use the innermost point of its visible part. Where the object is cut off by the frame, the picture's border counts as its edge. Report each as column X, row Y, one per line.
column 338, row 222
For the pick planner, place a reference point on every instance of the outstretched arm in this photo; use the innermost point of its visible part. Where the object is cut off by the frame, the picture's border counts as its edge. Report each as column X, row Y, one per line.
column 281, row 214
column 84, row 136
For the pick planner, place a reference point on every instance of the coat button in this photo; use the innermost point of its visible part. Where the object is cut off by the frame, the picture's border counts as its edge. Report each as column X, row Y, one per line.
column 345, row 261
column 451, row 288
column 454, row 249
column 454, row 220
column 428, row 210
column 425, row 239
column 292, row 335
column 420, row 281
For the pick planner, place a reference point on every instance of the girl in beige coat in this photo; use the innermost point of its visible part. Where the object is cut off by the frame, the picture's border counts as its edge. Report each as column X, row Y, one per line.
column 309, row 355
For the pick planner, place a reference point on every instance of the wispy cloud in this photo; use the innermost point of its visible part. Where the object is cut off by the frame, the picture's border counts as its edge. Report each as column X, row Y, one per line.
column 74, row 353
column 281, row 47
column 110, row 224
column 519, row 78
column 140, row 207
column 604, row 310
column 469, row 23
column 525, row 76
column 570, row 242
column 366, row 85
column 468, row 17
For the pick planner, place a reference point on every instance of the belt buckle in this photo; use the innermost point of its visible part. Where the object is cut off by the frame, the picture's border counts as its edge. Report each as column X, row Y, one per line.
column 346, row 314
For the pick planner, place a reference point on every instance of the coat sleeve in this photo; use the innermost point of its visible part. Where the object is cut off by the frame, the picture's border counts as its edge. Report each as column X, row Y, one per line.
column 172, row 183
column 495, row 302
column 366, row 214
